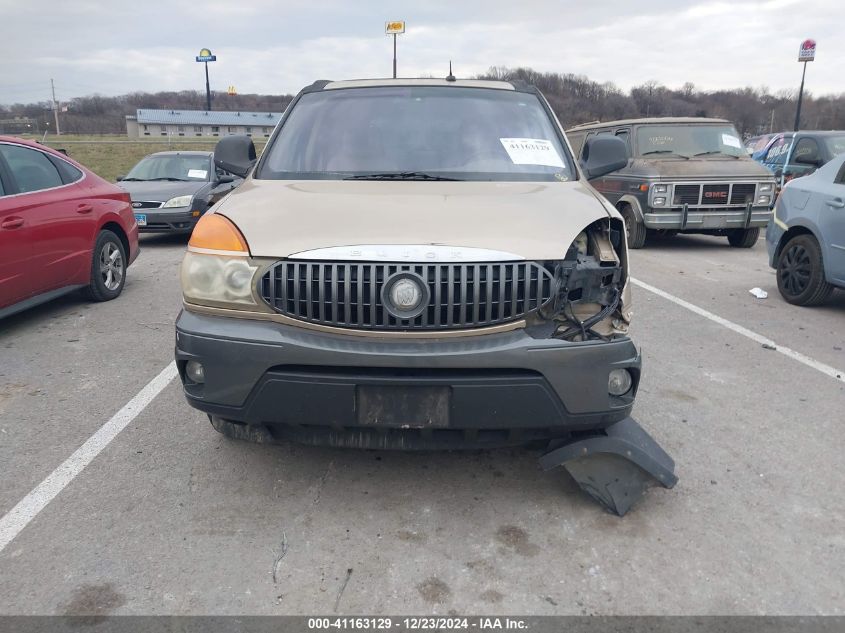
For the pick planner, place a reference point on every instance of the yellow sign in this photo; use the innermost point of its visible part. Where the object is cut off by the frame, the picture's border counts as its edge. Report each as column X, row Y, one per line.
column 205, row 53
column 392, row 28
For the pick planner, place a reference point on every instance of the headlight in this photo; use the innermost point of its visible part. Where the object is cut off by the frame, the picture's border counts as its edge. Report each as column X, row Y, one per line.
column 659, row 201
column 765, row 187
column 217, row 279
column 178, row 201
column 764, row 199
column 660, row 188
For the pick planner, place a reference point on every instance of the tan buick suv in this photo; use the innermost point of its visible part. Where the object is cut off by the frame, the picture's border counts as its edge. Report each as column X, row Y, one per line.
column 411, row 264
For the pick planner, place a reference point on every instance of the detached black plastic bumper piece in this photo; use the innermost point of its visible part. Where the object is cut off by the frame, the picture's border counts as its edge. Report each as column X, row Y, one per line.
column 616, row 465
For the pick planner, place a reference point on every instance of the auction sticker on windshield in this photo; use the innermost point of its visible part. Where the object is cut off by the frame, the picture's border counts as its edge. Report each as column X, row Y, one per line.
column 532, row 151
column 197, row 173
column 731, row 141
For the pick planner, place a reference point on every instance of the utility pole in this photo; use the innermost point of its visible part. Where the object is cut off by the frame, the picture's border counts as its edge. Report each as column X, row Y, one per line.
column 55, row 108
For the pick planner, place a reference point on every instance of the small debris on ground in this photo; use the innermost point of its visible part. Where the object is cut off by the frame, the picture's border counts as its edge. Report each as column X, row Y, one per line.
column 759, row 293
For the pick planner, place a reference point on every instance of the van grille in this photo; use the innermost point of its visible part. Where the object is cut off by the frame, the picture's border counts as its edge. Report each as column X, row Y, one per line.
column 461, row 295
column 713, row 194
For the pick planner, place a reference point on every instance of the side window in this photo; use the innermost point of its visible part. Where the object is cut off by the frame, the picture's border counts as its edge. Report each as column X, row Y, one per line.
column 840, row 177
column 778, row 151
column 625, row 136
column 68, row 172
column 2, row 191
column 31, row 169
column 576, row 139
column 807, row 149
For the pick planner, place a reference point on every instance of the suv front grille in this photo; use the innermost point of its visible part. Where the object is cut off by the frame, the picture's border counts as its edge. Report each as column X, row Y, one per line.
column 461, row 295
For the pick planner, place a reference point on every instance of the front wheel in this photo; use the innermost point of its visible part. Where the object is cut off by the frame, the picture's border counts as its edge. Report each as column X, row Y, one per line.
column 800, row 272
column 636, row 230
column 108, row 268
column 744, row 238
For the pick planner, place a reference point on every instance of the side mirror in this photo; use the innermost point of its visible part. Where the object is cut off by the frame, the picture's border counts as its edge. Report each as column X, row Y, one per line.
column 222, row 180
column 119, row 178
column 235, row 154
column 603, row 155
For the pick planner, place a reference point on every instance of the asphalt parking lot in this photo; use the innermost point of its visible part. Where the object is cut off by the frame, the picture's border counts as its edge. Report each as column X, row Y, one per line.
column 170, row 517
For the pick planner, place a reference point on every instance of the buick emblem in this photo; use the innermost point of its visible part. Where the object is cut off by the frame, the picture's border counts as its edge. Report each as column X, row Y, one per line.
column 405, row 295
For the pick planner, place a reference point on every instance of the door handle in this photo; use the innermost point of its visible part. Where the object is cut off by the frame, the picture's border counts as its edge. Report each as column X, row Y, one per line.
column 85, row 208
column 12, row 223
column 836, row 203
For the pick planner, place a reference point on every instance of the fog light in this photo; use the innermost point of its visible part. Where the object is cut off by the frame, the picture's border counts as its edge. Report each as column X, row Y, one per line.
column 196, row 372
column 619, row 382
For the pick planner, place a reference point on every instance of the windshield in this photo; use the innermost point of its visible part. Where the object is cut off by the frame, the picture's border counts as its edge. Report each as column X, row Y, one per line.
column 171, row 167
column 415, row 133
column 689, row 140
column 835, row 144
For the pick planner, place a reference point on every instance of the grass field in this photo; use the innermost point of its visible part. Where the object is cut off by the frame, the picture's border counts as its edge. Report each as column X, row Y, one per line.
column 111, row 156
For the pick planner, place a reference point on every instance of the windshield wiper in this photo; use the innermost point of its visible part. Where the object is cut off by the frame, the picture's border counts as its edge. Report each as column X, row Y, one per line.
column 171, row 179
column 134, row 179
column 715, row 151
column 400, row 175
column 664, row 151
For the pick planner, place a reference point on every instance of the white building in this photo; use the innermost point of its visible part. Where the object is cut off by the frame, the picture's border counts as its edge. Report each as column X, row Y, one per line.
column 192, row 123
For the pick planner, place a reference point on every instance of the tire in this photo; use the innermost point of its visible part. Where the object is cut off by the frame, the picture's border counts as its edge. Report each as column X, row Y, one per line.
column 108, row 268
column 635, row 230
column 743, row 238
column 800, row 272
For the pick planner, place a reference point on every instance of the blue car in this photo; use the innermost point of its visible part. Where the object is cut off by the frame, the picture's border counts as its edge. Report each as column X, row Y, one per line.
column 790, row 155
column 806, row 237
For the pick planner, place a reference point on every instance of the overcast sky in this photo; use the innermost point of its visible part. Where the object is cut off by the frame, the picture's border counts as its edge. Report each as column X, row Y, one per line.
column 113, row 47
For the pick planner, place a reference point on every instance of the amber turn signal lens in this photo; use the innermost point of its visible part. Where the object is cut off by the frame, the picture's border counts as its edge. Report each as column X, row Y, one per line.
column 216, row 232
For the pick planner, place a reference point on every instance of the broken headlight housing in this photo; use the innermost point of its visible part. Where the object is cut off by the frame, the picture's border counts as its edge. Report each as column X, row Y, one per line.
column 587, row 287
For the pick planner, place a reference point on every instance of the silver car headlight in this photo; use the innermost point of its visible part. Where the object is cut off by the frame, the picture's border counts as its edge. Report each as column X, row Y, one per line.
column 765, row 187
column 178, row 201
column 218, row 280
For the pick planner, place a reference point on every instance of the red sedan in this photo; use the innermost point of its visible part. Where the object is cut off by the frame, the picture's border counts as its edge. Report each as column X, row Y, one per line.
column 62, row 228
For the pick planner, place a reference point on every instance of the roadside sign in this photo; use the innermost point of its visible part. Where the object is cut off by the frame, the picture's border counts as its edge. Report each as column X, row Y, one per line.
column 392, row 28
column 206, row 56
column 807, row 52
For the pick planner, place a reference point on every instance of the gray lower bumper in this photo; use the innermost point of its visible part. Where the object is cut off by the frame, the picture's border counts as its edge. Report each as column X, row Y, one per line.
column 159, row 222
column 707, row 219
column 264, row 373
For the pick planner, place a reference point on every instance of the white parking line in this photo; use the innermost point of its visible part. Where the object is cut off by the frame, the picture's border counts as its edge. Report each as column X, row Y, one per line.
column 836, row 374
column 28, row 508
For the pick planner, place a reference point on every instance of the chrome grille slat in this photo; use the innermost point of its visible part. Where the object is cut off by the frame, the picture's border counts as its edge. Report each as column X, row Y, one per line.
column 461, row 295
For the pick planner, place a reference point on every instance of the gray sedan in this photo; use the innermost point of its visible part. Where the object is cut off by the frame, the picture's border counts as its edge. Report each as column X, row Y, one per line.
column 171, row 190
column 806, row 237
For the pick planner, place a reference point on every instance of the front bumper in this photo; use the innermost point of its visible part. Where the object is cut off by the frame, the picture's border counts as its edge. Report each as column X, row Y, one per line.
column 709, row 219
column 503, row 388
column 178, row 221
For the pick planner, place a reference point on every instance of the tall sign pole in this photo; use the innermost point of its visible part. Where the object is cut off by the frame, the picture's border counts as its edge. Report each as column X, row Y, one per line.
column 806, row 53
column 394, row 29
column 205, row 56
column 55, row 108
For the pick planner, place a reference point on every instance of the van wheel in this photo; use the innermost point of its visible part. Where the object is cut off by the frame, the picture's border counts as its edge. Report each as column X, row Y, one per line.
column 800, row 272
column 108, row 268
column 635, row 230
column 743, row 238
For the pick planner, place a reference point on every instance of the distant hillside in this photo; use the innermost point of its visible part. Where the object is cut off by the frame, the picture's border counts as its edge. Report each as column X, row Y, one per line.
column 575, row 99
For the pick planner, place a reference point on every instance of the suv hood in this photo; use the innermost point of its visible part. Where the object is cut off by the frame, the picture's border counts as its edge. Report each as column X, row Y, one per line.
column 534, row 220
column 714, row 168
column 160, row 190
